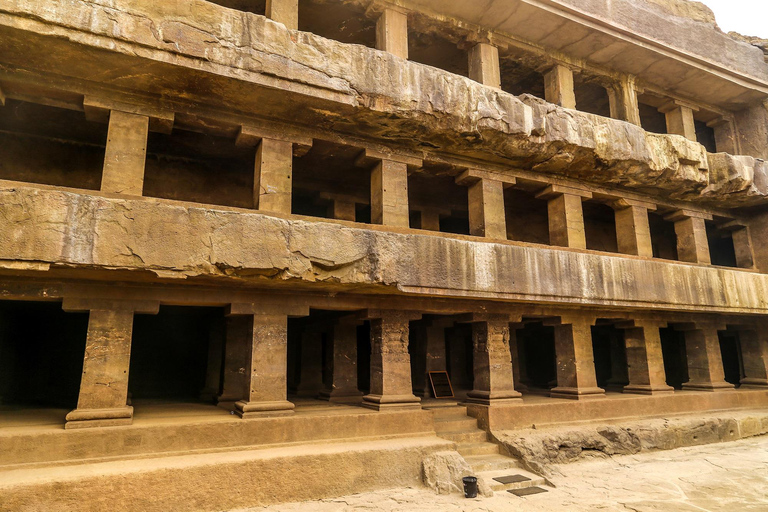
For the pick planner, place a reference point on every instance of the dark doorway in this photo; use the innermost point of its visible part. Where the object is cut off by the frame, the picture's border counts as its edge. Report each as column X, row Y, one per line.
column 364, row 357
column 460, row 357
column 170, row 351
column 610, row 356
column 41, row 354
column 730, row 349
column 538, row 362
column 675, row 357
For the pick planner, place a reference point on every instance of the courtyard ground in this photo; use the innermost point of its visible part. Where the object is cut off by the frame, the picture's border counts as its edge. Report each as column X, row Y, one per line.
column 723, row 477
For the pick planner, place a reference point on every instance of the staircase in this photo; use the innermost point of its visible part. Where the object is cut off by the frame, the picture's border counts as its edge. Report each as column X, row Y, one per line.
column 502, row 473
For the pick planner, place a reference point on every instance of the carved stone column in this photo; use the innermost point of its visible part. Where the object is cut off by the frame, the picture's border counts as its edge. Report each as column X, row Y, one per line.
column 558, row 86
column 494, row 379
column 343, row 347
column 680, row 120
column 484, row 65
column 104, row 383
column 754, row 353
column 486, row 202
column 691, row 231
column 622, row 99
column 575, row 359
column 705, row 361
column 742, row 243
column 389, row 186
column 265, row 392
column 645, row 361
column 392, row 33
column 566, row 216
column 285, row 12
column 391, row 386
column 633, row 230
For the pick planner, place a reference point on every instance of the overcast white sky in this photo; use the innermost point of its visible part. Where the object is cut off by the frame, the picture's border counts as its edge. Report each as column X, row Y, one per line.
column 748, row 17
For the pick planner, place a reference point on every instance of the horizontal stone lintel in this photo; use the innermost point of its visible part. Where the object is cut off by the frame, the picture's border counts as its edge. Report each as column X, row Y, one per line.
column 240, row 246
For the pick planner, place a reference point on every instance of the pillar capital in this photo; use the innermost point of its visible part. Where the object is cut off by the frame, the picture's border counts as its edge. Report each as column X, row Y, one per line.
column 622, row 203
column 553, row 191
column 84, row 304
column 251, row 135
column 369, row 157
column 399, row 315
column 99, row 109
column 267, row 309
column 472, row 176
column 683, row 214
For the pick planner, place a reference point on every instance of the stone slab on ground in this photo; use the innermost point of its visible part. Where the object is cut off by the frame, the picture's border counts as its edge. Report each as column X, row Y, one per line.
column 720, row 477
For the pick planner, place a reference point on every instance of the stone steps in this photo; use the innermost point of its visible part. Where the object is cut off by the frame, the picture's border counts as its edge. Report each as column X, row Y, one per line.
column 533, row 480
column 484, row 448
column 481, row 463
column 465, row 437
column 455, row 425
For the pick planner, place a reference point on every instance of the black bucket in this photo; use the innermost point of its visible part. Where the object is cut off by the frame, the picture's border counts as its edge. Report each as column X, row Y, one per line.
column 470, row 486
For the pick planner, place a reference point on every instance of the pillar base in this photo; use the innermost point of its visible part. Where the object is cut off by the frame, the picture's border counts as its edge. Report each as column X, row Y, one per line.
column 748, row 383
column 577, row 393
column 647, row 389
column 90, row 418
column 341, row 396
column 708, row 386
column 391, row 402
column 263, row 409
column 494, row 397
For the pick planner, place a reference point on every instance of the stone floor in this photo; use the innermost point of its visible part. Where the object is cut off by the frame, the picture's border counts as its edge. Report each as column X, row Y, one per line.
column 717, row 478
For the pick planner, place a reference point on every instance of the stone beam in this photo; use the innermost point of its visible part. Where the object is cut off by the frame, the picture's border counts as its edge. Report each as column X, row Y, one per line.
column 558, row 86
column 622, row 98
column 633, row 231
column 392, row 33
column 484, row 65
column 285, row 12
column 103, row 398
column 691, row 231
column 566, row 216
column 645, row 362
column 391, row 387
column 680, row 119
column 576, row 377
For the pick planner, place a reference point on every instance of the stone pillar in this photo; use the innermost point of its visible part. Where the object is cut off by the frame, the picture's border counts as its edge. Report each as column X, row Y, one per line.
column 705, row 361
column 691, row 231
column 391, row 386
column 311, row 376
column 216, row 341
column 680, row 119
column 265, row 390
column 343, row 210
column 484, row 65
column 494, row 378
column 558, row 86
column 622, row 99
column 519, row 369
column 645, row 362
column 285, row 12
column 126, row 154
column 726, row 139
column 742, row 243
column 487, row 216
column 392, row 33
column 343, row 347
column 389, row 194
column 633, row 230
column 754, row 353
column 566, row 216
column 430, row 219
column 575, row 360
column 103, row 399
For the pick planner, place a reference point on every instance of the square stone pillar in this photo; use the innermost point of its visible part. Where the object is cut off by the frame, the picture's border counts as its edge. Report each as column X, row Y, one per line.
column 285, row 12
column 126, row 154
column 558, row 86
column 430, row 218
column 754, row 353
column 266, row 330
column 273, row 166
column 104, row 383
column 311, row 376
column 726, row 138
column 487, row 216
column 576, row 377
column 622, row 100
column 391, row 387
column 705, row 361
column 519, row 369
column 343, row 347
column 216, row 341
column 494, row 378
column 389, row 186
column 392, row 33
column 633, row 230
column 645, row 361
column 742, row 243
column 691, row 231
column 679, row 117
column 566, row 216
column 238, row 336
column 484, row 65
column 343, row 209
